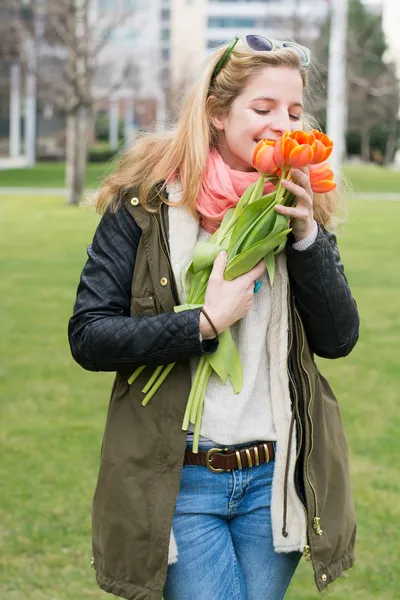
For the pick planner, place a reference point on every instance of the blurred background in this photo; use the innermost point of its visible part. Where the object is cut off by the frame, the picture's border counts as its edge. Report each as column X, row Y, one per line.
column 79, row 80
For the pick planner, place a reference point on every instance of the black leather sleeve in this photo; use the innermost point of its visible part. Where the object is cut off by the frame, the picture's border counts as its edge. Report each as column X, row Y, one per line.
column 102, row 334
column 322, row 295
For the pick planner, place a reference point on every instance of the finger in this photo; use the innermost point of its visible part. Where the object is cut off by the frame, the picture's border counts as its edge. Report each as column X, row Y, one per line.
column 219, row 266
column 255, row 272
column 302, row 177
column 292, row 212
column 298, row 191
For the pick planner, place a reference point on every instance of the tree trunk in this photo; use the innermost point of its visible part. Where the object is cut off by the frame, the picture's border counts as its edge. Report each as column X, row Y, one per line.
column 391, row 141
column 77, row 141
column 365, row 147
column 83, row 132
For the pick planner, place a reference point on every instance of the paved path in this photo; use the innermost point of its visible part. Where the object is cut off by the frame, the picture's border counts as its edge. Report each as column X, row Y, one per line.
column 38, row 191
column 34, row 191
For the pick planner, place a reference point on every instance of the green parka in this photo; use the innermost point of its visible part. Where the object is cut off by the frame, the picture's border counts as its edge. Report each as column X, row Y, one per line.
column 143, row 448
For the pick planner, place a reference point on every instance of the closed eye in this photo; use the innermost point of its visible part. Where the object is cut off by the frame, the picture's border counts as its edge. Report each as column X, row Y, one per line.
column 259, row 111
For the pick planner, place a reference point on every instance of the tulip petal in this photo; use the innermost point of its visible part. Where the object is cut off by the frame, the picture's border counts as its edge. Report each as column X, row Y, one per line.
column 328, row 152
column 262, row 144
column 301, row 156
column 319, row 152
column 322, row 187
column 264, row 162
column 278, row 152
column 302, row 137
column 257, row 149
column 290, row 145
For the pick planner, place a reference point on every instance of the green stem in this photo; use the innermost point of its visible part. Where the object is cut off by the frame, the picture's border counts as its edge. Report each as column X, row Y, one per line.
column 135, row 374
column 201, row 367
column 152, row 379
column 280, row 190
column 158, row 383
column 199, row 415
column 192, row 394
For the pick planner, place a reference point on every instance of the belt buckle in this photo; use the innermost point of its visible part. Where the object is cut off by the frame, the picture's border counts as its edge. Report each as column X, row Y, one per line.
column 209, row 454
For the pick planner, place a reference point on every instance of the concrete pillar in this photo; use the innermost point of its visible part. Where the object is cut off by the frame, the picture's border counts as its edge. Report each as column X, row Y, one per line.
column 113, row 126
column 30, row 120
column 129, row 124
column 15, row 111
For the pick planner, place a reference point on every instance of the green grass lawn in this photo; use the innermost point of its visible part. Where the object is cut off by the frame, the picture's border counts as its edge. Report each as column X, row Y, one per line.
column 51, row 175
column 53, row 413
column 362, row 178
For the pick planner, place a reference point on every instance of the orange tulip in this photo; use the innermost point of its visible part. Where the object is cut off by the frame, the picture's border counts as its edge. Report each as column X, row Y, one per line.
column 294, row 149
column 321, row 178
column 322, row 147
column 263, row 157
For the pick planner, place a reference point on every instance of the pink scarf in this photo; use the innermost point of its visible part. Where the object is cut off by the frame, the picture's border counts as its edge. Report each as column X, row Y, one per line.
column 221, row 189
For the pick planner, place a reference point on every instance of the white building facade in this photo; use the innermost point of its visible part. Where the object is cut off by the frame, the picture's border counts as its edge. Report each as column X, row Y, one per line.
column 200, row 26
column 391, row 21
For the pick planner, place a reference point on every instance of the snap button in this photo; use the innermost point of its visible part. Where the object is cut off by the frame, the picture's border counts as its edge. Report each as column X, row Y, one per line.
column 135, row 201
column 164, row 281
column 324, row 577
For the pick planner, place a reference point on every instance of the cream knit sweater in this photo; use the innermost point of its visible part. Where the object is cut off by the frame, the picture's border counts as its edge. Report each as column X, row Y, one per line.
column 264, row 409
column 231, row 418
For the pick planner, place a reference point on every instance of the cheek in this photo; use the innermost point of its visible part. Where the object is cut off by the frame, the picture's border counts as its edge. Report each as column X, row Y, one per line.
column 296, row 126
column 245, row 124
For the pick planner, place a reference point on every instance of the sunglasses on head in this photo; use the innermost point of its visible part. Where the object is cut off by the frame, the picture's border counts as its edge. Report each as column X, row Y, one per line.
column 259, row 43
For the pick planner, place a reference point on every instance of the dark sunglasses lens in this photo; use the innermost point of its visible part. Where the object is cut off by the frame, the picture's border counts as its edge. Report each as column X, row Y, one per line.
column 259, row 43
column 300, row 52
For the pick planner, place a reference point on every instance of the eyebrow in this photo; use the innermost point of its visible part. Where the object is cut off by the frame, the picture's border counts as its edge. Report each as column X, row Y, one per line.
column 299, row 104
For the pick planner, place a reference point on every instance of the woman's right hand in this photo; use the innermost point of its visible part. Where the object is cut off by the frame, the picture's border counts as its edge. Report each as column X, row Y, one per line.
column 227, row 301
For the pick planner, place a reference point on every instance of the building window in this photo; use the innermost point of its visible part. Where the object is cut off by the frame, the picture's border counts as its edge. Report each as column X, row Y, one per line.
column 165, row 34
column 165, row 53
column 211, row 44
column 231, row 22
column 123, row 34
column 165, row 14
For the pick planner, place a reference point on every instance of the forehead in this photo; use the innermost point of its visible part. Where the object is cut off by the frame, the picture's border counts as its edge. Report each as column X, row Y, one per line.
column 283, row 83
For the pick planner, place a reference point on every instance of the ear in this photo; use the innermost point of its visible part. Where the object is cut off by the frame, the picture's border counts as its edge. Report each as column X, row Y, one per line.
column 218, row 122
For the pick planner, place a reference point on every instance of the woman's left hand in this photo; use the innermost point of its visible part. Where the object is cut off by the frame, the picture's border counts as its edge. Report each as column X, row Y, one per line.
column 302, row 216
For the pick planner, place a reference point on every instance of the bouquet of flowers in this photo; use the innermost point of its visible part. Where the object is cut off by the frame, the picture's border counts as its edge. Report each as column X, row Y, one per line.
column 250, row 232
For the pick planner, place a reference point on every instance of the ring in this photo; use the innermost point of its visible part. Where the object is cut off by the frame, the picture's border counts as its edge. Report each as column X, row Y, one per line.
column 257, row 285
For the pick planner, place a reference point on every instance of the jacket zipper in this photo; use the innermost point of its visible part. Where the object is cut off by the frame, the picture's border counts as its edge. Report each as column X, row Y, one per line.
column 293, row 383
column 316, row 520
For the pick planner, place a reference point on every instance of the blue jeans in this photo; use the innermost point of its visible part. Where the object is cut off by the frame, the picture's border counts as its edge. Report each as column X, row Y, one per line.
column 222, row 527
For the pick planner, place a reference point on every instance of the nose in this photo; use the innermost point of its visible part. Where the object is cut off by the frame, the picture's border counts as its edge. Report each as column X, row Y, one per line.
column 280, row 123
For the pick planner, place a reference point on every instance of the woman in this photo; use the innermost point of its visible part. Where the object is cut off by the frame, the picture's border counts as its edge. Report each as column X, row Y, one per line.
column 271, row 479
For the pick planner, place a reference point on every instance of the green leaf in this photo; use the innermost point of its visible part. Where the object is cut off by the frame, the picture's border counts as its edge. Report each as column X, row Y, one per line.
column 258, row 189
column 204, row 255
column 261, row 230
column 226, row 361
column 247, row 259
column 270, row 264
column 251, row 215
column 224, row 225
column 182, row 307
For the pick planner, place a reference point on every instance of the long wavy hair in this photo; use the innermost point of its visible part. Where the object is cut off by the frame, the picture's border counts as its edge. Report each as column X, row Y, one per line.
column 183, row 151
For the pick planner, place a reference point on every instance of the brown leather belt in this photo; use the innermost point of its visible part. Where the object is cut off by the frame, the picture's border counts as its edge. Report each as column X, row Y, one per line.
column 219, row 460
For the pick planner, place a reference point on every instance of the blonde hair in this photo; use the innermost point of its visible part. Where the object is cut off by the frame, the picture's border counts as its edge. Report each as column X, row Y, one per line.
column 156, row 158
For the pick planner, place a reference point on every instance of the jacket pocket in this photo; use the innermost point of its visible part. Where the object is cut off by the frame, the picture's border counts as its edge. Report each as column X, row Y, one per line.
column 143, row 305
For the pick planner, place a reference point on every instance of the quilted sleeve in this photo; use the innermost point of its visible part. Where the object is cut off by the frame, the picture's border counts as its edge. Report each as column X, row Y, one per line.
column 322, row 294
column 102, row 334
